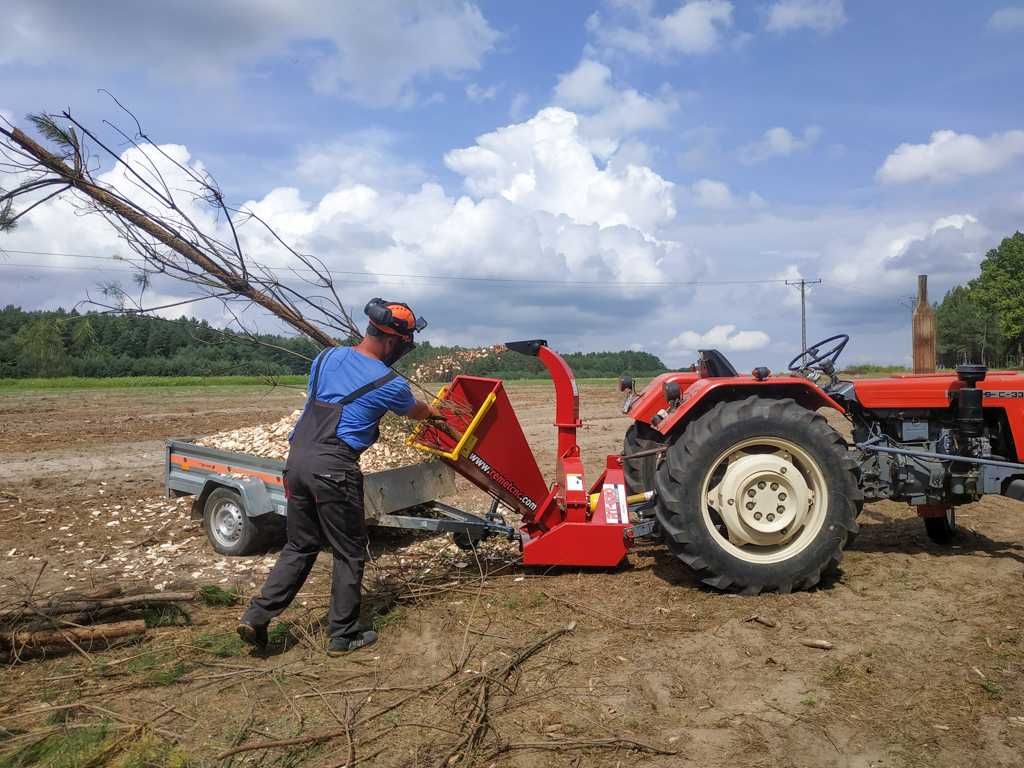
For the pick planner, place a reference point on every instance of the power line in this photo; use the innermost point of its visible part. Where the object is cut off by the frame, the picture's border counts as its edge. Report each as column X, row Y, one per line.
column 409, row 276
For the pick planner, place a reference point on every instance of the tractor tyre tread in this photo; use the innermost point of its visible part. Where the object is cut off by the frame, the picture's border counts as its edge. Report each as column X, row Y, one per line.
column 680, row 477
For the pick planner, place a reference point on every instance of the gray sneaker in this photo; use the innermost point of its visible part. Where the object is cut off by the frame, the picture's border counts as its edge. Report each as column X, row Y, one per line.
column 339, row 646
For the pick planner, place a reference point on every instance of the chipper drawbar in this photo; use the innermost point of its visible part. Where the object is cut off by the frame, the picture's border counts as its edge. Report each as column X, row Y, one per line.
column 567, row 523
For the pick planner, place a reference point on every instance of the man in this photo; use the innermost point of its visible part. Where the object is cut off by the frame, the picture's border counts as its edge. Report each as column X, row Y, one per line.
column 350, row 390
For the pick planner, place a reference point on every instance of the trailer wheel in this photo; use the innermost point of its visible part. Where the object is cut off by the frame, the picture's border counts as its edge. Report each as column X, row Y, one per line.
column 640, row 472
column 758, row 495
column 230, row 530
column 941, row 530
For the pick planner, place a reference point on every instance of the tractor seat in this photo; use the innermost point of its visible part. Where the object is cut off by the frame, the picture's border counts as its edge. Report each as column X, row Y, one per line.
column 712, row 364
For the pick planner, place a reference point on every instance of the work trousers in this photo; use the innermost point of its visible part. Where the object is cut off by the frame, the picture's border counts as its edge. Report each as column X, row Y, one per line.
column 325, row 508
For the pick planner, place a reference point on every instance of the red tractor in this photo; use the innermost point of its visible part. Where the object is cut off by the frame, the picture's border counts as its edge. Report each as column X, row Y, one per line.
column 742, row 475
column 756, row 491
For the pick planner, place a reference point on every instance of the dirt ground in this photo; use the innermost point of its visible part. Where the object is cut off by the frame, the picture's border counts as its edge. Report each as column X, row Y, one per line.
column 925, row 669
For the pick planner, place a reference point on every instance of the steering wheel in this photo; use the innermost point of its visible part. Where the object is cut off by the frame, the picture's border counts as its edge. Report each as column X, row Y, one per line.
column 815, row 358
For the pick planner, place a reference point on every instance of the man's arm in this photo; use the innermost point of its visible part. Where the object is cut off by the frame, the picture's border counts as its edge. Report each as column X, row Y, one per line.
column 420, row 411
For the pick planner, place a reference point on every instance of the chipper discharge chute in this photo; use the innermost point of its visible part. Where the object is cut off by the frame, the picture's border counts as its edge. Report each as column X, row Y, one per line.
column 565, row 523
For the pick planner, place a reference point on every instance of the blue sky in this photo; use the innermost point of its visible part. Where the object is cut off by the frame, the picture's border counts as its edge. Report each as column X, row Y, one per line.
column 595, row 145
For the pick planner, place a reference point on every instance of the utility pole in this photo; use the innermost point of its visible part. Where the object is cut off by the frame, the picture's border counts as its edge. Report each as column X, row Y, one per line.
column 803, row 308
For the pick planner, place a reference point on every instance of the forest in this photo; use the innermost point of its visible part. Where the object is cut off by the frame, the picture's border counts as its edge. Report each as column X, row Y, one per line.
column 982, row 321
column 60, row 343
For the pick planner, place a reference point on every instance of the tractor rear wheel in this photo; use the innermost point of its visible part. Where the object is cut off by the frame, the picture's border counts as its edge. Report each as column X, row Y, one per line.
column 640, row 472
column 758, row 495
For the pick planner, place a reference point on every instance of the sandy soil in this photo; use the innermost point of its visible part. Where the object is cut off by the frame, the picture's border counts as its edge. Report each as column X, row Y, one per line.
column 925, row 668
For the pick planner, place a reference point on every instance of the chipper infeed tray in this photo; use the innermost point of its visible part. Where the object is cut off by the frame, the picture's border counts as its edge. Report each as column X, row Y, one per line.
column 481, row 438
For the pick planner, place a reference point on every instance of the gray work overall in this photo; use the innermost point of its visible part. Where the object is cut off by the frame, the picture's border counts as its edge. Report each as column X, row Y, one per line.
column 324, row 486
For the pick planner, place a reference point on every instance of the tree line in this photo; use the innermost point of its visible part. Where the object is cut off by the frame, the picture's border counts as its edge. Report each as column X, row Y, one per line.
column 982, row 321
column 68, row 343
column 61, row 343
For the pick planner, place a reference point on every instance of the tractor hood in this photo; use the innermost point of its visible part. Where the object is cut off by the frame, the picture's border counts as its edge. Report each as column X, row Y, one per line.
column 928, row 390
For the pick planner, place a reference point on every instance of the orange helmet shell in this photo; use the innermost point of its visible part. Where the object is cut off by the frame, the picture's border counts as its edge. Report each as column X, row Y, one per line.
column 402, row 315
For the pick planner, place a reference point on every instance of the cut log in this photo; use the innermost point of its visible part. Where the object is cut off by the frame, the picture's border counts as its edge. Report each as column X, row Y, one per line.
column 84, row 637
column 90, row 606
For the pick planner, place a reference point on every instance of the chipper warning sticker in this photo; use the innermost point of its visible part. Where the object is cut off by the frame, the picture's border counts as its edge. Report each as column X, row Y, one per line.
column 616, row 512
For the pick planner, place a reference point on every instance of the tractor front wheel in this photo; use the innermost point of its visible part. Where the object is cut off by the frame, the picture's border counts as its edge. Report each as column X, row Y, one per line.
column 640, row 472
column 942, row 529
column 758, row 495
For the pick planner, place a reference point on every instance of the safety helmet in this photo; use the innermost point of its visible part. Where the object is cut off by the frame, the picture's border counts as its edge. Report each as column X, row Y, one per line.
column 394, row 317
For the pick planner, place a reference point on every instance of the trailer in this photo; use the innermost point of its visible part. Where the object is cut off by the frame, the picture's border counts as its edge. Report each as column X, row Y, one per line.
column 241, row 499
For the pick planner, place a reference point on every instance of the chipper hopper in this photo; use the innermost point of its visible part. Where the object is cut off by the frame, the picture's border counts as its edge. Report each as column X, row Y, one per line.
column 567, row 523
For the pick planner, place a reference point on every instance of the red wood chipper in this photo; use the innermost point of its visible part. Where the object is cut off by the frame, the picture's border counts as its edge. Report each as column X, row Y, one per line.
column 568, row 523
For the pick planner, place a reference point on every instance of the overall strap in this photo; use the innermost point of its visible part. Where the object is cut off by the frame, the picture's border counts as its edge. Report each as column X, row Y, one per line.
column 368, row 388
column 316, row 372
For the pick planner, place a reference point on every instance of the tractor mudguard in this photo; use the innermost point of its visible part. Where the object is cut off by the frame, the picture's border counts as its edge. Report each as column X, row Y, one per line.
column 703, row 393
column 652, row 399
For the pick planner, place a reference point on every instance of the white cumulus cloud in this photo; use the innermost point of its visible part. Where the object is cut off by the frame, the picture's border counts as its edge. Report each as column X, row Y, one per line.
column 544, row 165
column 949, row 156
column 724, row 338
column 822, row 16
column 708, row 193
column 888, row 258
column 610, row 113
column 694, row 27
column 779, row 142
column 1007, row 19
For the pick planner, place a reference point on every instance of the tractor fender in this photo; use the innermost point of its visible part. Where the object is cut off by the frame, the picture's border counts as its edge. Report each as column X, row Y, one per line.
column 255, row 498
column 704, row 394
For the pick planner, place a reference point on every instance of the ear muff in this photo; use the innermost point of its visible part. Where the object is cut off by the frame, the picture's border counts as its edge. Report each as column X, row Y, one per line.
column 382, row 315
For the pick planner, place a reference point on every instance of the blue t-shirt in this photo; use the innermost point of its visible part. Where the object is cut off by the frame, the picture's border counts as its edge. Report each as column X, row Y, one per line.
column 343, row 371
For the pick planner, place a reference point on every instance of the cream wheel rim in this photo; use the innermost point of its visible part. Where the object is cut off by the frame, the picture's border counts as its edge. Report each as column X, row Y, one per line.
column 770, row 496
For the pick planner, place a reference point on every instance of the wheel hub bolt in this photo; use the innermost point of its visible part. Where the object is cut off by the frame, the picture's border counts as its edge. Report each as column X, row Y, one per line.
column 782, row 497
column 780, row 509
column 757, row 515
column 775, row 486
column 751, row 505
column 761, row 485
column 751, row 493
column 782, row 470
column 771, row 517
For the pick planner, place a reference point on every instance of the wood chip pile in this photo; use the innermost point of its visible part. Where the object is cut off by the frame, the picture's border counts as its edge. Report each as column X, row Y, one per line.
column 154, row 545
column 445, row 367
column 271, row 442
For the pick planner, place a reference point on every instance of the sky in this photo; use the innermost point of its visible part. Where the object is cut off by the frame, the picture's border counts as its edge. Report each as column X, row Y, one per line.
column 605, row 175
